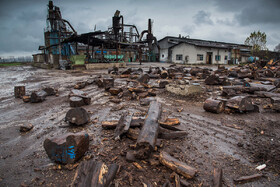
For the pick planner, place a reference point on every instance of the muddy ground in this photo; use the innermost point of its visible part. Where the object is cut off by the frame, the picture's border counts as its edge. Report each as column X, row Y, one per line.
column 237, row 143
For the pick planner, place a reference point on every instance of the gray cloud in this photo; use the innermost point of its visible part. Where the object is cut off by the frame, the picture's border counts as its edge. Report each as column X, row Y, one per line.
column 22, row 22
column 202, row 17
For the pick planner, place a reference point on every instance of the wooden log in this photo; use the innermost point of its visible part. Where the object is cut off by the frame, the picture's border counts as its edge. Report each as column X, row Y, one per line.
column 215, row 106
column 213, row 80
column 123, row 125
column 248, row 178
column 167, row 184
column 76, row 101
column 176, row 178
column 109, row 124
column 176, row 165
column 146, row 101
column 108, row 83
column 170, row 122
column 95, row 174
column 149, row 132
column 68, row 148
column 77, row 116
column 26, row 98
column 241, row 104
column 50, row 91
column 164, row 134
column 80, row 85
column 115, row 91
column 133, row 133
column 25, row 127
column 154, row 76
column 137, row 89
column 217, row 177
column 164, row 74
column 19, row 91
column 236, row 90
column 99, row 83
column 163, row 83
column 37, row 97
column 145, row 78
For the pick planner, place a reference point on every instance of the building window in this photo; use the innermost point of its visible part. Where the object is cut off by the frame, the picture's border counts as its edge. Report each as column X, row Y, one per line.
column 179, row 57
column 199, row 57
column 218, row 58
column 226, row 57
column 162, row 56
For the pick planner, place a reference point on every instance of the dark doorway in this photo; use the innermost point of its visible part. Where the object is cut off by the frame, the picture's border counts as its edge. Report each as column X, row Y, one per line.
column 209, row 58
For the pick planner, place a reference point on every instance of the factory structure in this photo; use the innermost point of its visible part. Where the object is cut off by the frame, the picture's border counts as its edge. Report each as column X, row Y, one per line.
column 65, row 48
column 122, row 43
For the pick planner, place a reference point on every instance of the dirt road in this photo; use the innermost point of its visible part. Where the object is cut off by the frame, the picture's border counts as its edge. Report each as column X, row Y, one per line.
column 237, row 143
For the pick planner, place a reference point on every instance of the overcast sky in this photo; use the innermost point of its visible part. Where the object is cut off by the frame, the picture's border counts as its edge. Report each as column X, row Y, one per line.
column 23, row 22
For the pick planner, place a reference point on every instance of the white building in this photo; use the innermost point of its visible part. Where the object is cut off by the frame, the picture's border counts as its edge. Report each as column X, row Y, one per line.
column 194, row 51
column 190, row 53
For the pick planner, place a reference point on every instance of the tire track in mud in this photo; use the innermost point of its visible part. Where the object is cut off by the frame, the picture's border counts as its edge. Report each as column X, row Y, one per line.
column 219, row 139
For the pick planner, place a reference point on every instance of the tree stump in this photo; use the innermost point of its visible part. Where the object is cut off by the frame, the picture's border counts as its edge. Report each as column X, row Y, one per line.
column 76, row 101
column 37, row 97
column 77, row 116
column 214, row 106
column 95, row 174
column 67, row 149
column 19, row 91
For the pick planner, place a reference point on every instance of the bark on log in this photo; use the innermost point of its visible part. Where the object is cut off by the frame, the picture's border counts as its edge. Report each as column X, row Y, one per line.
column 50, row 91
column 95, row 174
column 236, row 90
column 213, row 80
column 215, row 106
column 144, row 78
column 176, row 165
column 248, row 178
column 108, row 83
column 77, row 116
column 217, row 177
column 19, row 91
column 241, row 104
column 68, row 148
column 163, row 83
column 149, row 132
column 164, row 134
column 123, row 125
column 76, row 101
column 37, row 97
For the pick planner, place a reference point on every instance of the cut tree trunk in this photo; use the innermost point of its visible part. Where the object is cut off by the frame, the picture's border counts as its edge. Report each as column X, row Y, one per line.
column 164, row 74
column 77, row 116
column 108, row 83
column 19, row 91
column 95, row 174
column 50, row 91
column 176, row 165
column 147, row 138
column 37, row 97
column 67, row 149
column 167, row 134
column 215, row 106
column 241, row 104
column 76, row 101
column 213, row 80
column 123, row 125
column 145, row 78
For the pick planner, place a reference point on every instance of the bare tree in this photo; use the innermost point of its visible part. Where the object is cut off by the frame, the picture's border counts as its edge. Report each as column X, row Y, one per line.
column 277, row 48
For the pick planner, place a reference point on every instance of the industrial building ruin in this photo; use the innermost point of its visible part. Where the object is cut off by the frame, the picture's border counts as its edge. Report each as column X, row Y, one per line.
column 65, row 48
